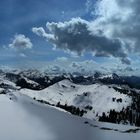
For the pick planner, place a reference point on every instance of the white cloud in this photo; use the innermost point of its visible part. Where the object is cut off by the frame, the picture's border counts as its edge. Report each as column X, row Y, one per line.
column 20, row 42
column 120, row 19
column 87, row 66
column 41, row 32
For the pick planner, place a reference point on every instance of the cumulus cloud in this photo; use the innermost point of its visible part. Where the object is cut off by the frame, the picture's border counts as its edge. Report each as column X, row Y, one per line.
column 114, row 32
column 125, row 70
column 80, row 36
column 41, row 32
column 86, row 67
column 76, row 65
column 120, row 19
column 20, row 42
column 55, row 68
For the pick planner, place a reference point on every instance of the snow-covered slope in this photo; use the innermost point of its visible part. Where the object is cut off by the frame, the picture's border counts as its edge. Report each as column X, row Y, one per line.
column 16, row 123
column 7, row 82
column 25, row 119
column 7, row 85
column 97, row 96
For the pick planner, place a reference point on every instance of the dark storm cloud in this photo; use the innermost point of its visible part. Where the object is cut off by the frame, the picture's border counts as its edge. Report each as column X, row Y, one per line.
column 78, row 35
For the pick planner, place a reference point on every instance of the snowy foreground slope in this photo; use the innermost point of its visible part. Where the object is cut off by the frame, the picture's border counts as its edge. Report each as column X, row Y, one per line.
column 97, row 96
column 25, row 116
column 22, row 118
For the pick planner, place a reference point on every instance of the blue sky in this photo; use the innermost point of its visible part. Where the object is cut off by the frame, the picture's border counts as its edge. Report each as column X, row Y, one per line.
column 83, row 32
